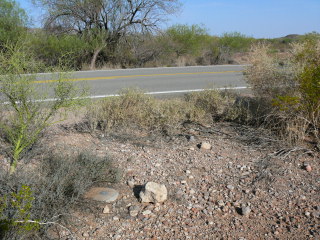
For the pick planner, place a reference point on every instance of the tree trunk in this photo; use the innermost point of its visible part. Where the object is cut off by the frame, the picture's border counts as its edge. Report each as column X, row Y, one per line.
column 94, row 58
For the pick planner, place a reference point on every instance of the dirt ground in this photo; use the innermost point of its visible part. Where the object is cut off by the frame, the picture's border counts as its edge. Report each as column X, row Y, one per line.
column 208, row 189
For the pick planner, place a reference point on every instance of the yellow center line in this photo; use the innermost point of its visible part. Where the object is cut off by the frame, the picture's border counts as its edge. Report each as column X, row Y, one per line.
column 132, row 76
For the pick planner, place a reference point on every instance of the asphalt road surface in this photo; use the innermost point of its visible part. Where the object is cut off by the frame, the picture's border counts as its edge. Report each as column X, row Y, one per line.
column 157, row 81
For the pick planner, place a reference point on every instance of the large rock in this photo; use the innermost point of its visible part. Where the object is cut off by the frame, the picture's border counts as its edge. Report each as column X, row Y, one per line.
column 153, row 193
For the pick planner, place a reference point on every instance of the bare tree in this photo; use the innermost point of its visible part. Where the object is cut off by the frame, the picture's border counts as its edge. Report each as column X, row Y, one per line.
column 107, row 21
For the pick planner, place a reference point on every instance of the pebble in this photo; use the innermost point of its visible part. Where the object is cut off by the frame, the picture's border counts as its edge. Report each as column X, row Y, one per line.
column 308, row 168
column 230, row 187
column 106, row 209
column 134, row 210
column 131, row 183
column 146, row 212
column 245, row 211
column 205, row 146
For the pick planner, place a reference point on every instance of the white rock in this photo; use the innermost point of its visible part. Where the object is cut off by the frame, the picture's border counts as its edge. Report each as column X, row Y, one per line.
column 131, row 183
column 205, row 146
column 153, row 193
column 146, row 212
column 106, row 209
column 245, row 211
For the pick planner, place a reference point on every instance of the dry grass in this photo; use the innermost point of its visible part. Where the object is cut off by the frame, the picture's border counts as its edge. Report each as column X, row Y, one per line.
column 57, row 183
column 134, row 109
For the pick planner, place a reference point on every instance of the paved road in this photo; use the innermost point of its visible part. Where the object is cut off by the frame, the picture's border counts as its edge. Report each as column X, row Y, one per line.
column 157, row 80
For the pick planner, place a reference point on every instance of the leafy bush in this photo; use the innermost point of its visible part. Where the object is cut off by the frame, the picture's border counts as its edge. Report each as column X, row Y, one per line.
column 15, row 213
column 68, row 50
column 187, row 39
column 13, row 21
column 235, row 42
column 26, row 114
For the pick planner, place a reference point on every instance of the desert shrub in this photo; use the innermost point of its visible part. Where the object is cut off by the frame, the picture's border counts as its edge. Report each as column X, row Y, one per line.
column 210, row 101
column 291, row 88
column 56, row 184
column 136, row 110
column 133, row 109
column 268, row 75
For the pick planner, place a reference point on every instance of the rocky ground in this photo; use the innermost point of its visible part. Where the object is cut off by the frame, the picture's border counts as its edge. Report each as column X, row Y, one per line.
column 246, row 186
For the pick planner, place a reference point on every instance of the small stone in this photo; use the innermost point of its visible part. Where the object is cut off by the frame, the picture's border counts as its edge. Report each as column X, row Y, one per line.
column 115, row 218
column 191, row 149
column 192, row 191
column 230, row 187
column 134, row 210
column 183, row 182
column 245, row 211
column 221, row 203
column 106, row 209
column 146, row 212
column 307, row 214
column 188, row 172
column 85, row 234
column 308, row 168
column 205, row 146
column 131, row 183
column 153, row 193
column 191, row 138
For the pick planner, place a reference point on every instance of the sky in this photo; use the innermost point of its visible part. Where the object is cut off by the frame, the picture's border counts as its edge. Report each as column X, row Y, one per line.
column 255, row 18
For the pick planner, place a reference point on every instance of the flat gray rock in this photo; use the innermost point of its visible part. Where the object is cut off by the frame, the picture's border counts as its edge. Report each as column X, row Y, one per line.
column 102, row 194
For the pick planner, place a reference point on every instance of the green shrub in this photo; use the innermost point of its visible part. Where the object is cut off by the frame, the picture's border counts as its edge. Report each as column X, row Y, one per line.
column 13, row 22
column 22, row 100
column 15, row 213
column 235, row 42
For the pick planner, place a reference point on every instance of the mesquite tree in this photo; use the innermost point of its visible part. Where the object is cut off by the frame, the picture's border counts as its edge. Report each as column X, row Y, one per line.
column 106, row 22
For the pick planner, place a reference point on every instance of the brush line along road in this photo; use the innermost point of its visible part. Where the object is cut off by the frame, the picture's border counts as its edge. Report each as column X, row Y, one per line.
column 162, row 81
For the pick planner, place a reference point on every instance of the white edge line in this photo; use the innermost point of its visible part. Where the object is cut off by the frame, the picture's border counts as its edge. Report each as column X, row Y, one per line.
column 148, row 93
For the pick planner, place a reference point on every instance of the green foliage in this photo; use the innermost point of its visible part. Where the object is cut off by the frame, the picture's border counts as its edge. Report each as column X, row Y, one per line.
column 188, row 39
column 235, row 42
column 13, row 21
column 15, row 211
column 26, row 116
column 54, row 50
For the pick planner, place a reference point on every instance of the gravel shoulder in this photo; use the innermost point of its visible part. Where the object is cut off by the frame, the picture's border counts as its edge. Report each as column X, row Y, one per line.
column 247, row 186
